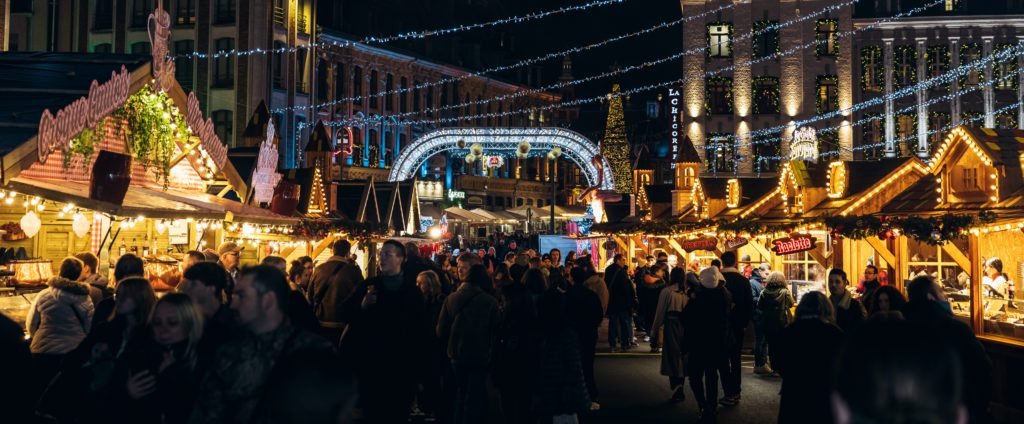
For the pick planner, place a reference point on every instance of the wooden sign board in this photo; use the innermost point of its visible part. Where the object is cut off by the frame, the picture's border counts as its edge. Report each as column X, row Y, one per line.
column 795, row 243
column 704, row 243
column 736, row 243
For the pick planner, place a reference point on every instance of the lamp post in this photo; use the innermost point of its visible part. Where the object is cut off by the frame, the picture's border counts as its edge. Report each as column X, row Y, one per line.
column 553, row 158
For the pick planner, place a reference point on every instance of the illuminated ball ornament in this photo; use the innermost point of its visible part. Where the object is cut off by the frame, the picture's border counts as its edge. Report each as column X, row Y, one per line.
column 477, row 149
column 30, row 224
column 461, row 144
column 936, row 235
column 470, row 158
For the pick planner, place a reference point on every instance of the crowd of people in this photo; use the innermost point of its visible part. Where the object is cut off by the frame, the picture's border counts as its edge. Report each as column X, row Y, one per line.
column 299, row 342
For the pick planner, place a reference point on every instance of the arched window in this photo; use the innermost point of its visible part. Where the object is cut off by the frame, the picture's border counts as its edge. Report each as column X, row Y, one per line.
column 688, row 175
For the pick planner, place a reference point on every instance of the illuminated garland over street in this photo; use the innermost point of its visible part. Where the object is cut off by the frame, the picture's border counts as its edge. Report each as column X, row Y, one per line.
column 932, row 230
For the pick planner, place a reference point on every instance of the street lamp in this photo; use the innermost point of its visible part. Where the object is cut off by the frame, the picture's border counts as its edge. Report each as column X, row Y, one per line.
column 553, row 156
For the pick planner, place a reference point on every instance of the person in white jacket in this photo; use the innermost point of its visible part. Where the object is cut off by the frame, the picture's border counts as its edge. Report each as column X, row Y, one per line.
column 60, row 318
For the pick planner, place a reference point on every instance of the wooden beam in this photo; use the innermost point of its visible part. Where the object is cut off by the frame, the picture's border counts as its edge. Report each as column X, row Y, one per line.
column 763, row 251
column 640, row 242
column 977, row 309
column 819, row 257
column 224, row 192
column 958, row 256
column 323, row 244
column 675, row 245
column 882, row 250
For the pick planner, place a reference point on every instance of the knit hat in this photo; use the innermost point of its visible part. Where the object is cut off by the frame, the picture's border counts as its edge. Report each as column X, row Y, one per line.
column 710, row 276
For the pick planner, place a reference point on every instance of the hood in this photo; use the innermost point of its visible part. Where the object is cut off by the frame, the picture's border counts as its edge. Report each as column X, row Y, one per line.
column 97, row 280
column 778, row 293
column 67, row 286
column 710, row 277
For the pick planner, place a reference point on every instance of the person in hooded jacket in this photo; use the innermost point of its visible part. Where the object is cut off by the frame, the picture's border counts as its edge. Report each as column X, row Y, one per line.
column 671, row 305
column 706, row 326
column 850, row 312
column 647, row 293
column 469, row 323
column 99, row 288
column 804, row 355
column 585, row 314
column 59, row 319
column 775, row 303
column 621, row 304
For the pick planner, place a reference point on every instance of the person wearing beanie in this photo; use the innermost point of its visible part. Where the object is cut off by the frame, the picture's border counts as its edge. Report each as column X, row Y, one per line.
column 706, row 325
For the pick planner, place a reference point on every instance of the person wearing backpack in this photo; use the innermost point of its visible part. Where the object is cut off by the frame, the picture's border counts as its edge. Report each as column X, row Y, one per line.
column 469, row 324
column 330, row 285
column 774, row 306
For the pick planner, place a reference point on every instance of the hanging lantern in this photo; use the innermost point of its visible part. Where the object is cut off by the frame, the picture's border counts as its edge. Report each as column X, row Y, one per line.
column 556, row 152
column 477, row 149
column 31, row 224
column 80, row 225
column 160, row 227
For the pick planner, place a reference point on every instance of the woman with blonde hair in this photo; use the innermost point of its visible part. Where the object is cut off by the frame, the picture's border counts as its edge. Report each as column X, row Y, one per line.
column 156, row 377
column 803, row 354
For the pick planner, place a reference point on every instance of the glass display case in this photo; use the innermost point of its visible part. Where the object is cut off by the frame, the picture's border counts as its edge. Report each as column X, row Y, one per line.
column 30, row 273
column 1002, row 311
column 14, row 303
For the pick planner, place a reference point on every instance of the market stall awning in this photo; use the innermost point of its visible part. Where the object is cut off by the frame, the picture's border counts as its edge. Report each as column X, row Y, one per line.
column 151, row 203
column 457, row 214
column 497, row 215
column 561, row 212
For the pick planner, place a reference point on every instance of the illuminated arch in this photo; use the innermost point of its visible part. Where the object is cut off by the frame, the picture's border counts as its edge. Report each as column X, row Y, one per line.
column 505, row 141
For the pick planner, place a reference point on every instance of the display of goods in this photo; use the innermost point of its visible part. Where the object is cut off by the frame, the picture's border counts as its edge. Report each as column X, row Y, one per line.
column 31, row 273
column 12, row 232
column 164, row 275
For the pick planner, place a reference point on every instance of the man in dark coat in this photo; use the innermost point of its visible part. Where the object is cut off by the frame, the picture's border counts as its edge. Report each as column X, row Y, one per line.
column 805, row 356
column 415, row 264
column 706, row 326
column 330, row 286
column 928, row 310
column 622, row 303
column 585, row 313
column 739, row 318
column 850, row 312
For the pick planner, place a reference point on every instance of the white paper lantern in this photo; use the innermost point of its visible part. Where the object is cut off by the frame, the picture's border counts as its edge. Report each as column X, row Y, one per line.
column 80, row 225
column 30, row 224
column 160, row 227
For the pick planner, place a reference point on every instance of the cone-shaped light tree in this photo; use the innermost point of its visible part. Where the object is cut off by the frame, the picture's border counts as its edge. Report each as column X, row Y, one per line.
column 614, row 146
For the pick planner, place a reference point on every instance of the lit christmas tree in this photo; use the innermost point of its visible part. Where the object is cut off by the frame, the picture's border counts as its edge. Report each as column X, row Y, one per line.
column 614, row 145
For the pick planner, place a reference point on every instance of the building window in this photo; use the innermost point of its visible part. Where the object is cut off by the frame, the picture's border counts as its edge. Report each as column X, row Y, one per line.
column 185, row 12
column 719, row 40
column 142, row 48
column 428, row 101
column 357, row 85
column 225, row 12
column 479, row 111
column 872, row 133
column 765, row 152
column 280, row 12
column 403, row 95
column 689, row 175
column 826, row 37
column 302, row 21
column 224, row 67
column 1004, row 73
column 827, row 94
column 872, row 69
column 301, row 76
column 339, row 81
column 389, row 96
column 323, row 76
column 719, row 153
column 300, row 134
column 1006, row 121
column 279, row 57
column 906, row 133
column 652, row 110
column 766, row 41
column 103, row 18
column 766, row 95
column 972, row 119
column 937, row 123
column 140, row 12
column 803, row 267
column 415, row 96
column 222, row 124
column 719, row 96
column 970, row 53
column 183, row 66
column 904, row 66
column 102, row 48
column 373, row 89
column 937, row 62
column 951, row 5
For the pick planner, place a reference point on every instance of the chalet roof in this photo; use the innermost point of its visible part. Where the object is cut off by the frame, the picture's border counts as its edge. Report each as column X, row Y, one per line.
column 319, row 139
column 920, row 199
column 257, row 126
column 687, row 152
column 1002, row 146
column 715, row 187
column 865, row 173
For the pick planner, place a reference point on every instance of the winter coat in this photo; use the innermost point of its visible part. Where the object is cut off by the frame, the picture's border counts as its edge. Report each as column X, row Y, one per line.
column 330, row 286
column 516, row 348
column 596, row 285
column 15, row 400
column 621, row 293
column 804, row 354
column 742, row 298
column 584, row 311
column 850, row 312
column 775, row 304
column 386, row 338
column 560, row 385
column 98, row 288
column 671, row 305
column 469, row 323
column 175, row 386
column 60, row 317
column 706, row 324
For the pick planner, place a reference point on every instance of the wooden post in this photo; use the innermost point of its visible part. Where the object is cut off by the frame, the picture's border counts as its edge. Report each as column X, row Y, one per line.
column 977, row 306
column 902, row 266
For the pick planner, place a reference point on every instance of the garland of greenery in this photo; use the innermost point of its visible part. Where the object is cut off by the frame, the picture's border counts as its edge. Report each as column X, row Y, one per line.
column 84, row 144
column 153, row 125
column 821, row 44
column 1009, row 118
column 820, row 81
column 728, row 95
column 904, row 58
column 772, row 36
column 728, row 40
column 317, row 229
column 768, row 87
column 877, row 72
column 932, row 230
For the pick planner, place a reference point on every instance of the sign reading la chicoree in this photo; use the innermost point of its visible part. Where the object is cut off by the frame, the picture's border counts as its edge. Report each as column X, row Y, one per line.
column 795, row 243
column 704, row 243
column 57, row 130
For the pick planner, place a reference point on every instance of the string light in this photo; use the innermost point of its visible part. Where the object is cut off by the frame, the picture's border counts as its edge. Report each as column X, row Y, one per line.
column 568, row 83
column 645, row 88
column 411, row 34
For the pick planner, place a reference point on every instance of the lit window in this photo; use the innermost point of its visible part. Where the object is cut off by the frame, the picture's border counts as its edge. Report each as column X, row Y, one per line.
column 719, row 153
column 185, row 12
column 1005, row 73
column 222, row 125
column 827, row 93
column 905, row 62
column 826, row 37
column 937, row 59
column 719, row 95
column 872, row 69
column 719, row 40
column 951, row 5
column 766, row 95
